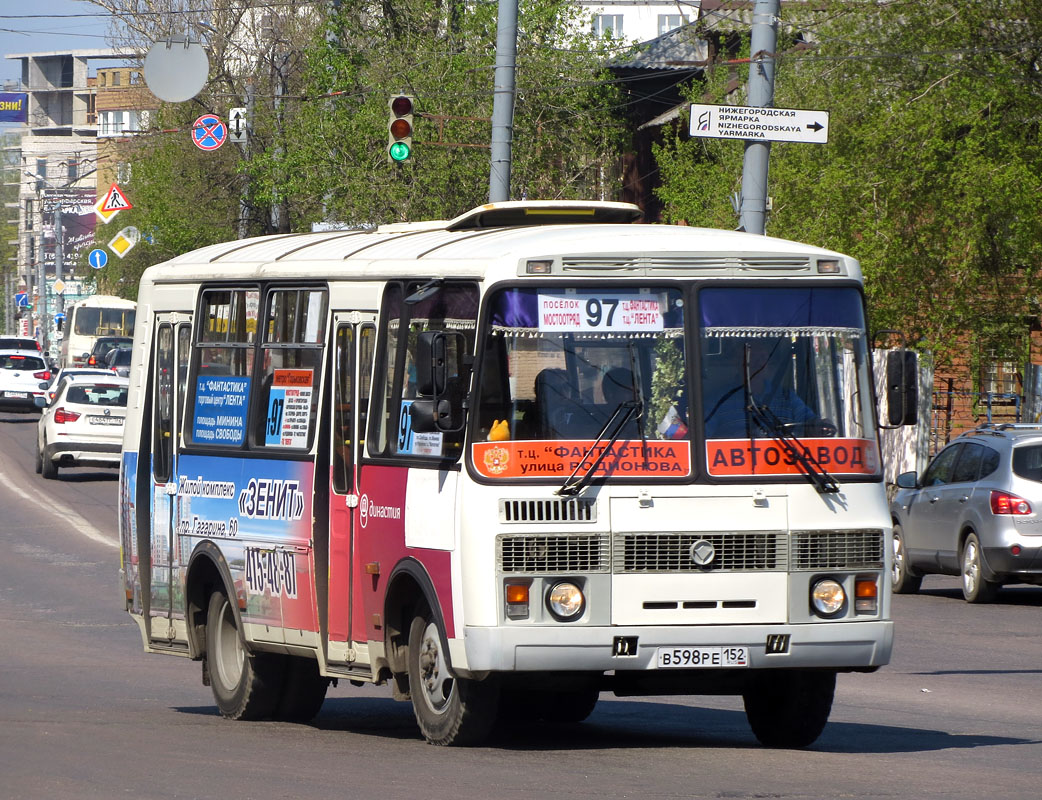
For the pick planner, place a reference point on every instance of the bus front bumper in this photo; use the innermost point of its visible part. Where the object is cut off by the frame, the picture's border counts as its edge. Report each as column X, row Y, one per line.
column 848, row 646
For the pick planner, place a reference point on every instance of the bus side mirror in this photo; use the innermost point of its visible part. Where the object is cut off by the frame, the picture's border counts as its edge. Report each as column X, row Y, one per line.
column 902, row 388
column 440, row 383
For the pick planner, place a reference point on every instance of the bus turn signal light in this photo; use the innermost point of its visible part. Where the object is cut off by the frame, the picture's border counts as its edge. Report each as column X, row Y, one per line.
column 866, row 595
column 517, row 600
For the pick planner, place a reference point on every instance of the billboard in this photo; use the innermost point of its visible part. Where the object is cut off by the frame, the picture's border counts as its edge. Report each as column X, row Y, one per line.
column 14, row 107
column 78, row 220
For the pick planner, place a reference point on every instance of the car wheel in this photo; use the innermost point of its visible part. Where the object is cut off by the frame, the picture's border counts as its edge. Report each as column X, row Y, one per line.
column 789, row 708
column 245, row 685
column 449, row 710
column 39, row 461
column 904, row 579
column 48, row 468
column 975, row 587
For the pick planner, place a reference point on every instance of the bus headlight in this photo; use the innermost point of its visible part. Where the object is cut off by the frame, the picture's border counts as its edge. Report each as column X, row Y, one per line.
column 565, row 601
column 827, row 597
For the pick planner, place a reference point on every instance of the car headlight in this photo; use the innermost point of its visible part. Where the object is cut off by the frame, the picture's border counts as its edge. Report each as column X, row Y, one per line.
column 565, row 601
column 827, row 597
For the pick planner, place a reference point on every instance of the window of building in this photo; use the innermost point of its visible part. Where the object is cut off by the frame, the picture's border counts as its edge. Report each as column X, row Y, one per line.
column 123, row 172
column 670, row 22
column 29, row 216
column 608, row 25
column 73, row 169
column 115, row 79
column 999, row 377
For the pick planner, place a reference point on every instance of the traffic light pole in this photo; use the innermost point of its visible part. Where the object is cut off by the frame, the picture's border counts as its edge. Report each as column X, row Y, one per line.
column 764, row 41
column 503, row 102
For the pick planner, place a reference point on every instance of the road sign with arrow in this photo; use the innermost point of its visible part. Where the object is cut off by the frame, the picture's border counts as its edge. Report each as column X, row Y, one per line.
column 759, row 124
column 237, row 125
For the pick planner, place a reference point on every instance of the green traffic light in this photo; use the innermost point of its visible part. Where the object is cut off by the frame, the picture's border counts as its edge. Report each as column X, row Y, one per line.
column 399, row 151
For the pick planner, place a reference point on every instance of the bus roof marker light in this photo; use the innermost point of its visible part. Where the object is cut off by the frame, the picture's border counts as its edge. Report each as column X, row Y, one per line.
column 539, row 267
column 828, row 266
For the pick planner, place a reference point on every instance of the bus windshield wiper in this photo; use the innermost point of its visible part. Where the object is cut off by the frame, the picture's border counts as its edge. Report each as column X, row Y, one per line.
column 623, row 413
column 789, row 442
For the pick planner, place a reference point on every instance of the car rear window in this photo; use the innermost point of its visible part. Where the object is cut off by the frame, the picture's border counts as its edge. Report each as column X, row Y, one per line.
column 15, row 343
column 1027, row 462
column 8, row 361
column 98, row 395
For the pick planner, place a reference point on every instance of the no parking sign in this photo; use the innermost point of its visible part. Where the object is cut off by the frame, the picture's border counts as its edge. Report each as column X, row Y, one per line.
column 209, row 132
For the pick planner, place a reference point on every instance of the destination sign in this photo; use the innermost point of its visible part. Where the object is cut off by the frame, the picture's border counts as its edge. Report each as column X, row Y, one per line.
column 764, row 124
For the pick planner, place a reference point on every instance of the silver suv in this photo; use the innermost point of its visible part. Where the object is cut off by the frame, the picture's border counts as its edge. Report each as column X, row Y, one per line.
column 976, row 512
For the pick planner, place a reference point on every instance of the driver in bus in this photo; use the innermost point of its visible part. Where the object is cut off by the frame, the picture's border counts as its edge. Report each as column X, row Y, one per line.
column 727, row 414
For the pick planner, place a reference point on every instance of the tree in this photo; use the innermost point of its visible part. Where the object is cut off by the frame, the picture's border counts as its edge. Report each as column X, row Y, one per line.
column 932, row 170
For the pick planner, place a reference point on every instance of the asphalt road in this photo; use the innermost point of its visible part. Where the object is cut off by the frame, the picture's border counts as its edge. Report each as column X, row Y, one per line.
column 84, row 713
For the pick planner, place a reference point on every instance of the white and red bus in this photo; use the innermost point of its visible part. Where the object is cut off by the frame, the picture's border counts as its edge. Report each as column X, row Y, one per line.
column 505, row 463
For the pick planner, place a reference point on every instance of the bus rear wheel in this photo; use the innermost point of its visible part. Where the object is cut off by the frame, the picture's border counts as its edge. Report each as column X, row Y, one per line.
column 245, row 685
column 789, row 708
column 304, row 691
column 449, row 710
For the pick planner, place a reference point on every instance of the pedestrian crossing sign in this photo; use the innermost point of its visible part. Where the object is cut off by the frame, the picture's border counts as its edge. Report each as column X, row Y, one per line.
column 115, row 200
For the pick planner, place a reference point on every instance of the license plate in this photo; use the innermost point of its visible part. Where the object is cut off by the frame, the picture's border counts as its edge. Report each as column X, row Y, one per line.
column 17, row 395
column 105, row 420
column 702, row 657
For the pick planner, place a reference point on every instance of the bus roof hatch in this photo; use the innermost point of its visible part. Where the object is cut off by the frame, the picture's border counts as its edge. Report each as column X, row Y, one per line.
column 544, row 212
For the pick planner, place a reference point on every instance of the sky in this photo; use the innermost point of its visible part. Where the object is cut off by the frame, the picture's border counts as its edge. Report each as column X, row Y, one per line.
column 33, row 26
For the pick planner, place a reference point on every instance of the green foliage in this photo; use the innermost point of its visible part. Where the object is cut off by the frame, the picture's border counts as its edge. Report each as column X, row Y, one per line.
column 932, row 170
column 319, row 114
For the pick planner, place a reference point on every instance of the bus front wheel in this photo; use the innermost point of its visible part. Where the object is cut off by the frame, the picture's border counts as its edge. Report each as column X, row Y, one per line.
column 789, row 708
column 245, row 685
column 449, row 710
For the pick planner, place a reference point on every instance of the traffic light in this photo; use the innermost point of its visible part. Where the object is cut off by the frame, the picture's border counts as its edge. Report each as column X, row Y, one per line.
column 399, row 129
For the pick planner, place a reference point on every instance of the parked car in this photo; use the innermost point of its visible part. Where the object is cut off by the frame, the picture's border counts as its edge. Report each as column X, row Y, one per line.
column 975, row 512
column 19, row 343
column 102, row 346
column 83, row 426
column 21, row 372
column 118, row 361
column 52, row 386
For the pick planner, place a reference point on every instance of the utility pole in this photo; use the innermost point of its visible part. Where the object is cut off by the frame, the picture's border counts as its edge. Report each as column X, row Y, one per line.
column 503, row 102
column 764, row 41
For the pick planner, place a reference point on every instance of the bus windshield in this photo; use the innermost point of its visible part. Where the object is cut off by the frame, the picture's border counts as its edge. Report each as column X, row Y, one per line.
column 797, row 355
column 569, row 366
column 96, row 321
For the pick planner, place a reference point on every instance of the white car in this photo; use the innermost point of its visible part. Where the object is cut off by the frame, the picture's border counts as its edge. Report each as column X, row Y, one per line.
column 83, row 427
column 54, row 385
column 21, row 372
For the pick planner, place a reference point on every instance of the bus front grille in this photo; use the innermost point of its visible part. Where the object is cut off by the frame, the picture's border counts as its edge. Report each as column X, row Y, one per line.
column 689, row 552
column 535, row 554
column 575, row 509
column 856, row 549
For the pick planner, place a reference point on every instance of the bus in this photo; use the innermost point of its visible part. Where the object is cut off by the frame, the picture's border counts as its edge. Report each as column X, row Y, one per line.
column 505, row 463
column 88, row 320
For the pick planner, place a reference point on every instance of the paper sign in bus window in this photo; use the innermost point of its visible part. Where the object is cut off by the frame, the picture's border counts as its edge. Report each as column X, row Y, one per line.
column 289, row 408
column 220, row 410
column 602, row 312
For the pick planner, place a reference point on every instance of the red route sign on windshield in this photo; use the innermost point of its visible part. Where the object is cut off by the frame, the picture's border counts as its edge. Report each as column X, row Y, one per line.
column 547, row 459
column 755, row 457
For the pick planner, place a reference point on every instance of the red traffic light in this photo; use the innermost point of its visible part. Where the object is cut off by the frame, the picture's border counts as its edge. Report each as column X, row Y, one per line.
column 401, row 105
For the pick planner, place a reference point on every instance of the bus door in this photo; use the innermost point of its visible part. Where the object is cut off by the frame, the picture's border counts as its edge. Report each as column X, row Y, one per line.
column 354, row 337
column 172, row 348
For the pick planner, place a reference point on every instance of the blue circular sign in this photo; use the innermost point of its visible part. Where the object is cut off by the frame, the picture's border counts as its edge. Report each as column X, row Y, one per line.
column 98, row 258
column 209, row 132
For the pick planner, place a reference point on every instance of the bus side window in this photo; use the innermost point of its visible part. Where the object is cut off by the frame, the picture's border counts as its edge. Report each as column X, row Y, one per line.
column 406, row 312
column 291, row 353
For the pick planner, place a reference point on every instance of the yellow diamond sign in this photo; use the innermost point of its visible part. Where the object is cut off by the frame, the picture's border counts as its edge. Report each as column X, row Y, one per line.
column 124, row 241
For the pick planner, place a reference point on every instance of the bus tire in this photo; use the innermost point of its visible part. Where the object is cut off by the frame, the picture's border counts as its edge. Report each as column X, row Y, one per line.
column 789, row 708
column 904, row 578
column 245, row 685
column 304, row 691
column 449, row 710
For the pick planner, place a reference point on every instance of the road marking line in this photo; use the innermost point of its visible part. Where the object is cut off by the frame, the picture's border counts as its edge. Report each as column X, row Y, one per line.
column 78, row 523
